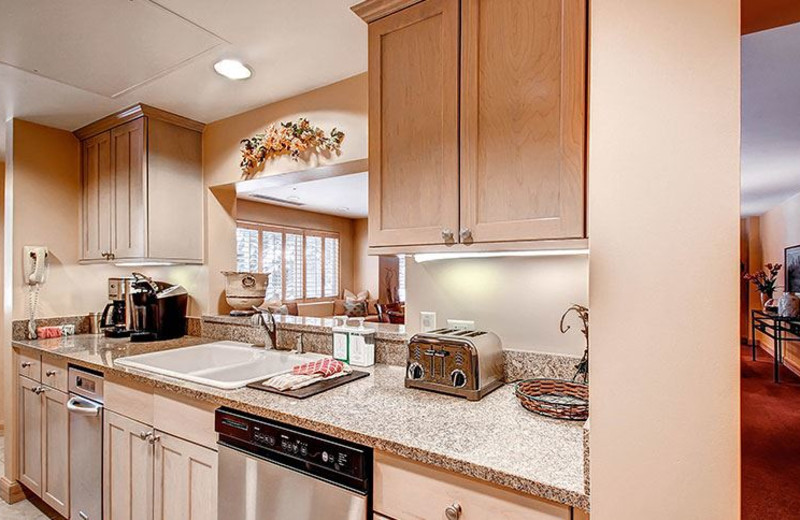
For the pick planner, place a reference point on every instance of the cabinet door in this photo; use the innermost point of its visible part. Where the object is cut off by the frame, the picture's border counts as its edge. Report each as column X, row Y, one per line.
column 129, row 168
column 413, row 125
column 127, row 469
column 30, row 435
column 55, row 450
column 97, row 195
column 186, row 480
column 523, row 119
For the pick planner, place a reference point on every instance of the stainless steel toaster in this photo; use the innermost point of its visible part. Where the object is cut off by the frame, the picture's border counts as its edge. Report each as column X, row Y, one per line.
column 466, row 363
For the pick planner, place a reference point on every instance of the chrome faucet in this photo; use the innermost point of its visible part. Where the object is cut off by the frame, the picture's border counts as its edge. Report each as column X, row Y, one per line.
column 264, row 318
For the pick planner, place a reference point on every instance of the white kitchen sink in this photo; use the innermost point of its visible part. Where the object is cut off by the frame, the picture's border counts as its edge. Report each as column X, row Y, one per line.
column 222, row 364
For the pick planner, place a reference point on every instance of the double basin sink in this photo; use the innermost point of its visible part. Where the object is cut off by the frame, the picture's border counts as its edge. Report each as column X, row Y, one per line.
column 222, row 364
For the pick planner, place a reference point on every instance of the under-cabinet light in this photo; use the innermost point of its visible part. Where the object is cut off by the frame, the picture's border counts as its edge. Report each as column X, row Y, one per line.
column 144, row 264
column 431, row 257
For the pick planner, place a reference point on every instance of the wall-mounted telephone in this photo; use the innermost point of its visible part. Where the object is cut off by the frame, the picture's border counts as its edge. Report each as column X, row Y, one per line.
column 35, row 264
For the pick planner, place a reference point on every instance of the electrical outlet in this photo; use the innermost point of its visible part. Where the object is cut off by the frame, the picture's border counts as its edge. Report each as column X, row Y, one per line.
column 427, row 321
column 461, row 324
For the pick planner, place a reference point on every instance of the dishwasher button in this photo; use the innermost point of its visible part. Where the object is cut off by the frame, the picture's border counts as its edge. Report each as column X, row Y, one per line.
column 324, row 456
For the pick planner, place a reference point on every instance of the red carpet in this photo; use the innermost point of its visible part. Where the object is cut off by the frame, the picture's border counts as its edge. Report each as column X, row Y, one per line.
column 770, row 441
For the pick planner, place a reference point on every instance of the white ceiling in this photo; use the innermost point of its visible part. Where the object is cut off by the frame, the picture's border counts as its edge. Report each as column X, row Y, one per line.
column 770, row 118
column 343, row 196
column 161, row 53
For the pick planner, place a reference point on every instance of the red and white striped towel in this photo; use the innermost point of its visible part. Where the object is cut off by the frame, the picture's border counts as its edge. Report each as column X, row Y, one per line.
column 324, row 367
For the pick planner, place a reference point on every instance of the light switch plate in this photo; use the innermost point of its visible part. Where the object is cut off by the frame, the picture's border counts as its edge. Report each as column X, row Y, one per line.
column 461, row 324
column 427, row 321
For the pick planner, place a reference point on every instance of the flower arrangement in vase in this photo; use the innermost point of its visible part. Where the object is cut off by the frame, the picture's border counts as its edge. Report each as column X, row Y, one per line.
column 764, row 280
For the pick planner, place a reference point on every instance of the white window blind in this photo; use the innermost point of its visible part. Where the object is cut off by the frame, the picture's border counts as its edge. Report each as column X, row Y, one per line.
column 294, row 267
column 303, row 264
column 401, row 277
column 331, row 270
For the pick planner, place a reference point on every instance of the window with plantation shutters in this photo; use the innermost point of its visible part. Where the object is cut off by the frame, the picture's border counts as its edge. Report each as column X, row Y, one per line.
column 303, row 264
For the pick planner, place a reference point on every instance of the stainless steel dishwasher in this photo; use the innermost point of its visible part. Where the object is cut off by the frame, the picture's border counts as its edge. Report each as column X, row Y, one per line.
column 269, row 470
column 85, row 408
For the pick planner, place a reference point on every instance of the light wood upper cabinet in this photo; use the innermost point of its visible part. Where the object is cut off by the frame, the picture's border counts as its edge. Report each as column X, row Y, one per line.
column 523, row 119
column 97, row 196
column 497, row 156
column 30, row 435
column 129, row 201
column 142, row 187
column 413, row 125
column 127, row 469
column 55, row 450
column 185, row 480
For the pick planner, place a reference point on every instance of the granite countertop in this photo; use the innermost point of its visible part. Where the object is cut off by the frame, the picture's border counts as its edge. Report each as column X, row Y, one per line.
column 383, row 331
column 494, row 439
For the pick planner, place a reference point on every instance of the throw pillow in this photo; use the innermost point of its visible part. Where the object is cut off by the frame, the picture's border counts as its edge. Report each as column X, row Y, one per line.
column 355, row 309
column 349, row 296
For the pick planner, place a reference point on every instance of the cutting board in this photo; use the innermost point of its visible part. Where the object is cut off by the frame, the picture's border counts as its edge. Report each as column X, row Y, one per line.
column 308, row 391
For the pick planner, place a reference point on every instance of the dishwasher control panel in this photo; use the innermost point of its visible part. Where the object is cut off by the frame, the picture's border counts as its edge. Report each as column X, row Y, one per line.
column 314, row 451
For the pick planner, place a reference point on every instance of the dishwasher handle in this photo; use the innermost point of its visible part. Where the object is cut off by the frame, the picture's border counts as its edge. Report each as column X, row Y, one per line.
column 80, row 406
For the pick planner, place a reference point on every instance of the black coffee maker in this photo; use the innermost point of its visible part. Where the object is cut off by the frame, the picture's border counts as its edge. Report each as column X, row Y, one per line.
column 159, row 310
column 117, row 319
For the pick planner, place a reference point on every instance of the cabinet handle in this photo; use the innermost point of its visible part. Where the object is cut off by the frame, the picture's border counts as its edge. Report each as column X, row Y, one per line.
column 453, row 511
column 26, row 364
column 447, row 235
column 466, row 235
column 50, row 373
column 39, row 390
column 155, row 438
column 144, row 435
column 112, row 256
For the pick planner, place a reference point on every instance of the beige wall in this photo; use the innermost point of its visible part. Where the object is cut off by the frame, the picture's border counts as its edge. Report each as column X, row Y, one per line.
column 282, row 216
column 342, row 105
column 780, row 228
column 521, row 299
column 664, row 278
column 46, row 206
column 365, row 268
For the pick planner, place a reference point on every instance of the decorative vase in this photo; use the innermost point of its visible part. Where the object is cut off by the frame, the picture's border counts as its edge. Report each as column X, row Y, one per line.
column 245, row 291
column 789, row 305
column 766, row 301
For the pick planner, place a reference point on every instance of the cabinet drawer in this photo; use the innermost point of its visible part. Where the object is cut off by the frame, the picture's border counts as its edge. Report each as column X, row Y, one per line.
column 54, row 373
column 185, row 418
column 128, row 399
column 406, row 490
column 30, row 366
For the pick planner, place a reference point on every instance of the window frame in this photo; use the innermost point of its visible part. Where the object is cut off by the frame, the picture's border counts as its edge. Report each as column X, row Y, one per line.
column 304, row 232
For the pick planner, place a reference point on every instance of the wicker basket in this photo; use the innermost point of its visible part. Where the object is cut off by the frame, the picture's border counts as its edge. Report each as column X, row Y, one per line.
column 557, row 398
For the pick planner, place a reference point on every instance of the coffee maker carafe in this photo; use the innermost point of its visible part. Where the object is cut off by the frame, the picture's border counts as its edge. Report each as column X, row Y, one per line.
column 117, row 319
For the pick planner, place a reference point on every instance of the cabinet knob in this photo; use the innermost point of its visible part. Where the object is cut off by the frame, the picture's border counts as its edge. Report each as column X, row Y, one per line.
column 26, row 364
column 447, row 235
column 466, row 235
column 50, row 373
column 39, row 390
column 154, row 438
column 453, row 511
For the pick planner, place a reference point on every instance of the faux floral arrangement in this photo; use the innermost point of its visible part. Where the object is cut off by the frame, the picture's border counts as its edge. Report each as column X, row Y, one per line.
column 765, row 279
column 288, row 138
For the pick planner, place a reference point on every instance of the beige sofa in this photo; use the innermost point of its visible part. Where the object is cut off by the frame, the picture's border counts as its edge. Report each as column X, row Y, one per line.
column 323, row 309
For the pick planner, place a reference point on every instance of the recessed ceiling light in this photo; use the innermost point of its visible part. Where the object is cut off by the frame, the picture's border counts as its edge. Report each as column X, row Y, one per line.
column 294, row 198
column 342, row 208
column 233, row 69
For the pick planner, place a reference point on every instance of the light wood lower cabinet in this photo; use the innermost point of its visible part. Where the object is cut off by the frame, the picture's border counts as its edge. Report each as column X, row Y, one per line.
column 30, row 435
column 149, row 474
column 185, row 480
column 127, row 469
column 406, row 490
column 55, row 450
column 44, row 443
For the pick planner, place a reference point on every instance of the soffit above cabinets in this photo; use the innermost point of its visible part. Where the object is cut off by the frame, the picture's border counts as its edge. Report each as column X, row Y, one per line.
column 108, row 47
